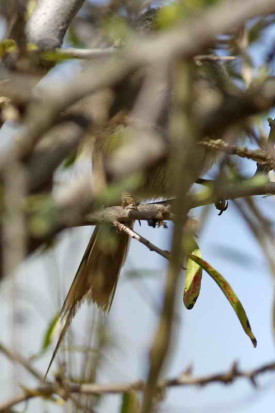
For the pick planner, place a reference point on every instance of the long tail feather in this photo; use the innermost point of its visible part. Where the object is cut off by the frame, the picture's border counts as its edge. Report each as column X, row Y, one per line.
column 97, row 275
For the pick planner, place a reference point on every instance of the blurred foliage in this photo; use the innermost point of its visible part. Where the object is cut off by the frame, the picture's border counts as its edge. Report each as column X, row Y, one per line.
column 7, row 46
column 116, row 29
column 73, row 38
column 179, row 11
column 70, row 160
column 112, row 194
column 130, row 402
column 42, row 212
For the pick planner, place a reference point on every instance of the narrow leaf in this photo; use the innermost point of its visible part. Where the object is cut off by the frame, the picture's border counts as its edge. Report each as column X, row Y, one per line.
column 50, row 332
column 230, row 295
column 48, row 337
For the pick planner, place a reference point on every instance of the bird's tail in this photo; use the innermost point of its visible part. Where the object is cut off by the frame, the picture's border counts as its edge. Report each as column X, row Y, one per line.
column 97, row 275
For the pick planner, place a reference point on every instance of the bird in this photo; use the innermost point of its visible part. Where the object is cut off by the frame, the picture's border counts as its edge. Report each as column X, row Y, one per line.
column 98, row 272
column 97, row 276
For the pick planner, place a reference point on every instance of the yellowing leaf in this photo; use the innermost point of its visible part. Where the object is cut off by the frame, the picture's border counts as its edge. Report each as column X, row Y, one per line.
column 192, row 280
column 230, row 295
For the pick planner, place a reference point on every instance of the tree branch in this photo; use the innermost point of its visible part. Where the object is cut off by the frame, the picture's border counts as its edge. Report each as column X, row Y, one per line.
column 50, row 21
column 74, row 53
column 260, row 156
column 184, row 379
column 59, row 143
column 70, row 212
column 142, row 240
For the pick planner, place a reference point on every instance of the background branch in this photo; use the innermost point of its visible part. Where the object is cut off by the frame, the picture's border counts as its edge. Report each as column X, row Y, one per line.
column 258, row 155
column 50, row 20
column 185, row 379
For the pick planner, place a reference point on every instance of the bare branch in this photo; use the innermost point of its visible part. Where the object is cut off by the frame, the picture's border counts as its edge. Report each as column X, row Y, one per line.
column 232, row 191
column 14, row 231
column 73, row 53
column 59, row 143
column 161, row 211
column 143, row 212
column 17, row 87
column 184, row 379
column 71, row 212
column 142, row 240
column 258, row 155
column 50, row 21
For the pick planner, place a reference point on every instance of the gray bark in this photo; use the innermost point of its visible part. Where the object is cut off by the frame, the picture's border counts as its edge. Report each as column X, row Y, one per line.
column 50, row 21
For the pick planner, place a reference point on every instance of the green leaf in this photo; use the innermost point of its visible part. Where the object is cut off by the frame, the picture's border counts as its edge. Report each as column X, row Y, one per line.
column 70, row 160
column 74, row 39
column 230, row 295
column 48, row 337
column 130, row 402
column 117, row 29
column 55, row 56
column 193, row 277
column 7, row 46
column 50, row 333
column 42, row 214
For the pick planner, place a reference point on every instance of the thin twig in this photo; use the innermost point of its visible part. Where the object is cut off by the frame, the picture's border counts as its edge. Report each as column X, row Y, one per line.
column 72, row 53
column 213, row 58
column 18, row 358
column 259, row 155
column 142, row 240
column 77, row 53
